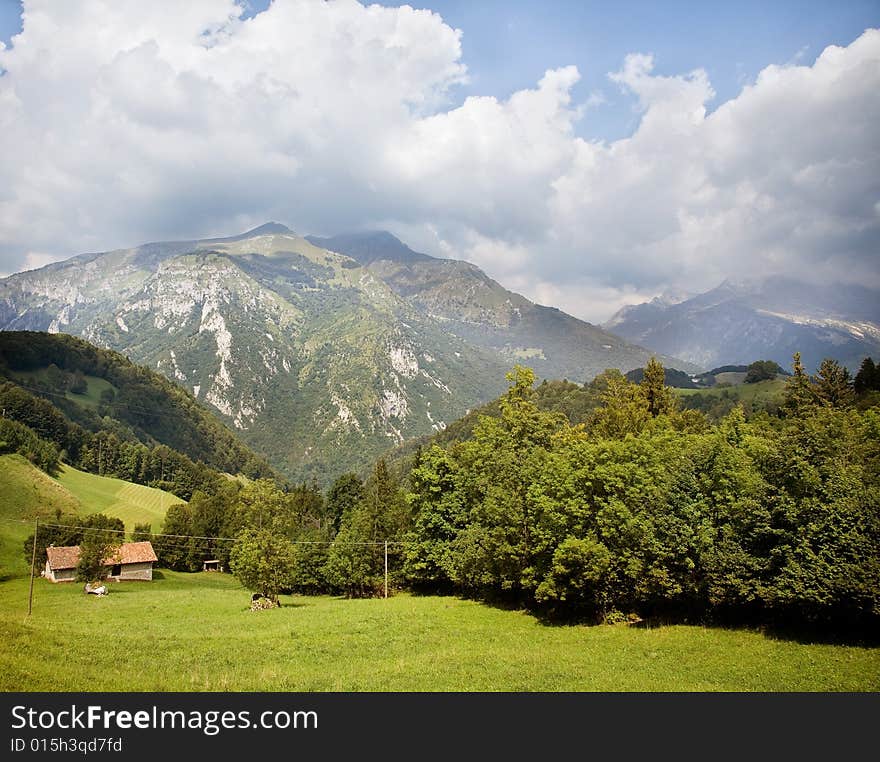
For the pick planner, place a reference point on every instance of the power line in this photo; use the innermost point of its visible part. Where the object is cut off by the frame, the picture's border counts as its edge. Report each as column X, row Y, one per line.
column 208, row 537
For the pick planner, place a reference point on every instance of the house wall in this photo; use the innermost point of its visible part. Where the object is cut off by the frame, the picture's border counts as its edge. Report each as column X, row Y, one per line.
column 61, row 575
column 142, row 571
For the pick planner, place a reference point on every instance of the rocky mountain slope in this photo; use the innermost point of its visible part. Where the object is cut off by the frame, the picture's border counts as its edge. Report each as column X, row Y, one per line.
column 318, row 361
column 765, row 318
column 467, row 302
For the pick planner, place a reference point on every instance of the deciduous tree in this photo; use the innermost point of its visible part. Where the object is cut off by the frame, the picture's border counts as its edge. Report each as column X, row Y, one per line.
column 263, row 562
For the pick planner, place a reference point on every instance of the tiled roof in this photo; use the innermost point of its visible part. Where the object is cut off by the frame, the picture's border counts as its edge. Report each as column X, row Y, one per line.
column 128, row 553
column 135, row 553
column 63, row 558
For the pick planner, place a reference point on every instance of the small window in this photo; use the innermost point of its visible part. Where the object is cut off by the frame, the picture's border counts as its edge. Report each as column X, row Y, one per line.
column 116, row 570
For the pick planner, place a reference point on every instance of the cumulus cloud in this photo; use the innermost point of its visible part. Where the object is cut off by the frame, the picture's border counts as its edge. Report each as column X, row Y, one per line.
column 126, row 121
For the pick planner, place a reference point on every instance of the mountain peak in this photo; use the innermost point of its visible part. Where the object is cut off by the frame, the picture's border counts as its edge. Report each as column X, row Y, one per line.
column 268, row 228
column 368, row 246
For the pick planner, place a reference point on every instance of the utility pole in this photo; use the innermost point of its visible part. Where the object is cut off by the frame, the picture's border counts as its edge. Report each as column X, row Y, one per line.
column 386, row 568
column 33, row 562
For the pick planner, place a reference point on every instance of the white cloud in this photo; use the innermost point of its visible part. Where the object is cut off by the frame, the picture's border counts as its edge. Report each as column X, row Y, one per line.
column 178, row 120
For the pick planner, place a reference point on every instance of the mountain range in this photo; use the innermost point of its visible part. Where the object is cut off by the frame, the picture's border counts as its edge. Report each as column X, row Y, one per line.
column 322, row 352
column 763, row 318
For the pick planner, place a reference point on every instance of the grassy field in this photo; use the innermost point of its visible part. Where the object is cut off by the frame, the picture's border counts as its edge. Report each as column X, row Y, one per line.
column 26, row 493
column 133, row 503
column 194, row 632
column 92, row 396
column 744, row 392
column 730, row 377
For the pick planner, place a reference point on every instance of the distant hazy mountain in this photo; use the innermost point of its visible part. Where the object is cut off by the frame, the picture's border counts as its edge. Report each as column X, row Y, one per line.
column 767, row 319
column 321, row 360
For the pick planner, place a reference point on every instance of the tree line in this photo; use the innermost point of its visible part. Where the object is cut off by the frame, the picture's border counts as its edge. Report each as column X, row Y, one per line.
column 293, row 540
column 647, row 509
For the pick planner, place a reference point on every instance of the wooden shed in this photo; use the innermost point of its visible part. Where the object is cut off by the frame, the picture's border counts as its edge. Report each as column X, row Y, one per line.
column 132, row 561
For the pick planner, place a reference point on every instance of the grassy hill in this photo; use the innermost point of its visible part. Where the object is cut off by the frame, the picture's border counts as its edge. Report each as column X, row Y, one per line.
column 133, row 503
column 716, row 402
column 211, row 642
column 26, row 493
column 90, row 398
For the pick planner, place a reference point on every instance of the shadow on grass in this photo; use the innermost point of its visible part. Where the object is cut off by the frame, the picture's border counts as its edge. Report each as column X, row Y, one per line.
column 854, row 634
column 295, row 604
column 862, row 637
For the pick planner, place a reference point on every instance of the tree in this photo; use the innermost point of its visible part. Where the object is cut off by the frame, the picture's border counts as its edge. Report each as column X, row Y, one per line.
column 261, row 505
column 142, row 532
column 868, row 377
column 438, row 506
column 56, row 378
column 263, row 562
column 356, row 559
column 311, row 552
column 833, row 386
column 799, row 395
column 579, row 566
column 62, row 532
column 96, row 550
column 658, row 396
column 175, row 550
column 762, row 370
column 624, row 408
column 78, row 383
column 352, row 562
column 343, row 497
column 502, row 462
column 306, row 506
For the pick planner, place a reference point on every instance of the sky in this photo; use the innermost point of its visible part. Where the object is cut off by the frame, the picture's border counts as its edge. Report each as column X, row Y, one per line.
column 588, row 155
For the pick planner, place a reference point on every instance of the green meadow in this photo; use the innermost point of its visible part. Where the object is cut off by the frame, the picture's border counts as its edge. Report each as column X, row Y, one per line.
column 771, row 389
column 133, row 503
column 90, row 398
column 194, row 632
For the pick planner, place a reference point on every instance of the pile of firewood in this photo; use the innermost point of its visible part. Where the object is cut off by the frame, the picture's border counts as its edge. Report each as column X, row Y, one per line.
column 260, row 603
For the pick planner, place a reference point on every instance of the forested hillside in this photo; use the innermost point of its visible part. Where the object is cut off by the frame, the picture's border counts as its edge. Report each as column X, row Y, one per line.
column 64, row 398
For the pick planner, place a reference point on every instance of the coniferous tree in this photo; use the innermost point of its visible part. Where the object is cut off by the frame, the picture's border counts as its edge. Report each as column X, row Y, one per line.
column 800, row 394
column 868, row 377
column 342, row 498
column 833, row 386
column 658, row 396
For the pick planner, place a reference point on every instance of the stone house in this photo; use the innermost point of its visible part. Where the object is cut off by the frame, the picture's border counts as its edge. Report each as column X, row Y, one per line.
column 132, row 561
